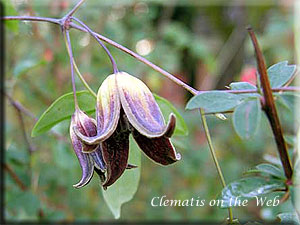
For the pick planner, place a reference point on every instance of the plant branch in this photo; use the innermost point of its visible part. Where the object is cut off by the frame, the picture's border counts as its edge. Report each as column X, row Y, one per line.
column 268, row 106
column 30, row 147
column 214, row 156
column 282, row 89
column 69, row 48
column 140, row 58
column 15, row 177
column 76, row 7
column 113, row 62
column 33, row 18
column 83, row 80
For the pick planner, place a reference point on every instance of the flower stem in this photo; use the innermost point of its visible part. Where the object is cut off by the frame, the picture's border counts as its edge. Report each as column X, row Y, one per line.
column 83, row 80
column 33, row 18
column 69, row 48
column 76, row 7
column 213, row 154
column 140, row 58
column 113, row 62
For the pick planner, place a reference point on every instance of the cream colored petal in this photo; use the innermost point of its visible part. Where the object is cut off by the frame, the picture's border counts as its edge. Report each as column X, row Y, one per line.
column 140, row 106
column 107, row 112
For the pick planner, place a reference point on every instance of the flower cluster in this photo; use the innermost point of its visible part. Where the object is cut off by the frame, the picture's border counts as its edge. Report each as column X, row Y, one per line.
column 125, row 106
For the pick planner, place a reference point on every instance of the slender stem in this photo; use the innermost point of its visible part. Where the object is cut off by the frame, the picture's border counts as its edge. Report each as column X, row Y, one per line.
column 22, row 124
column 268, row 106
column 83, row 80
column 69, row 48
column 14, row 176
column 140, row 58
column 282, row 89
column 214, row 156
column 33, row 18
column 113, row 62
column 76, row 7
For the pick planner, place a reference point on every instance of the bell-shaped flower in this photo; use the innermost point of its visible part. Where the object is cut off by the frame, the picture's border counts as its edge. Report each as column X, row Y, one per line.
column 126, row 105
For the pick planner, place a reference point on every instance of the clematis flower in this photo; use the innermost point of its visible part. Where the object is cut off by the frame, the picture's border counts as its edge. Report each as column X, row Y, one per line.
column 126, row 106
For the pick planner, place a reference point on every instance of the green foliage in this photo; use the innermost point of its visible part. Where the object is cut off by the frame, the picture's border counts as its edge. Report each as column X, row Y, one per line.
column 126, row 186
column 62, row 109
column 249, row 188
column 167, row 108
column 244, row 86
column 214, row 101
column 288, row 100
column 280, row 73
column 268, row 169
column 246, row 118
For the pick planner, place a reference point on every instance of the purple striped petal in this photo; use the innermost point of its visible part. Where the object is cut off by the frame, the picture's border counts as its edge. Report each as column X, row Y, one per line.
column 85, row 161
column 98, row 159
column 85, row 126
column 107, row 112
column 140, row 106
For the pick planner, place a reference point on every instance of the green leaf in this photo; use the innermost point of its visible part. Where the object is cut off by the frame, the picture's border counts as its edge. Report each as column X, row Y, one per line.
column 249, row 188
column 62, row 109
column 268, row 169
column 280, row 73
column 126, row 186
column 167, row 108
column 288, row 100
column 214, row 101
column 11, row 11
column 244, row 86
column 246, row 118
column 289, row 217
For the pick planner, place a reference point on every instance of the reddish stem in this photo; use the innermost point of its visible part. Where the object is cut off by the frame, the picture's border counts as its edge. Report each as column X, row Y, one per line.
column 268, row 106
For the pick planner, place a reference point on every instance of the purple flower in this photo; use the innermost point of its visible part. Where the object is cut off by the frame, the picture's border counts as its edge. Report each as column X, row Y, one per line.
column 125, row 106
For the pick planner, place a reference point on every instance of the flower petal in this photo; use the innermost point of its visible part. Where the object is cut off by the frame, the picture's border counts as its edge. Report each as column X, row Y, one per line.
column 107, row 112
column 85, row 160
column 85, row 126
column 158, row 149
column 115, row 153
column 98, row 159
column 140, row 106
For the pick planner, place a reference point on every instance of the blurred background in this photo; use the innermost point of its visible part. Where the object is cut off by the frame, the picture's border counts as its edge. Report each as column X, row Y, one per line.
column 204, row 43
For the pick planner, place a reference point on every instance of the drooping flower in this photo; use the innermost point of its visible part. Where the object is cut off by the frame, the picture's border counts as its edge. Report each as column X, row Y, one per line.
column 125, row 105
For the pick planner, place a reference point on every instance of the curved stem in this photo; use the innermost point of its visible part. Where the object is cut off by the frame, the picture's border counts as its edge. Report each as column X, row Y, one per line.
column 113, row 62
column 69, row 48
column 76, row 7
column 213, row 154
column 83, row 80
column 140, row 58
column 33, row 18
